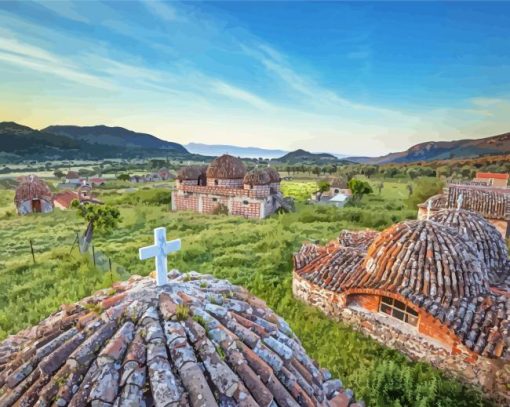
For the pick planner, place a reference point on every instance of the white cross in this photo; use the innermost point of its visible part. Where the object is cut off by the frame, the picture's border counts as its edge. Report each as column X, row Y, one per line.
column 429, row 208
column 159, row 251
column 459, row 202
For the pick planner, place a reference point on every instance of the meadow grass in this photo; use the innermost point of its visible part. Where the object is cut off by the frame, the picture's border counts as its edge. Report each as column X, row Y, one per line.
column 254, row 253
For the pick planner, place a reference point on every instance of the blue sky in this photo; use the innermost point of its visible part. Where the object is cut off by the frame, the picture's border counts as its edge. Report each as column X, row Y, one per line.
column 353, row 78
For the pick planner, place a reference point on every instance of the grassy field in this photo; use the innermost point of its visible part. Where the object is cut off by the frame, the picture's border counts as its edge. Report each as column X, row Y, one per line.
column 253, row 253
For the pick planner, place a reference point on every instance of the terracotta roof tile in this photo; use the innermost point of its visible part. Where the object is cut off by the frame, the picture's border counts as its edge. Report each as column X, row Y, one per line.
column 226, row 348
column 492, row 203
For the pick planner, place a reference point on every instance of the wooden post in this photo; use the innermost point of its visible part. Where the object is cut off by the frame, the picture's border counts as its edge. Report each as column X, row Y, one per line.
column 111, row 274
column 94, row 255
column 32, row 249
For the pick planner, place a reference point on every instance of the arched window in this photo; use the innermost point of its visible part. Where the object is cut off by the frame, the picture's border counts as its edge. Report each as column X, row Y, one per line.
column 337, row 191
column 215, row 182
column 397, row 309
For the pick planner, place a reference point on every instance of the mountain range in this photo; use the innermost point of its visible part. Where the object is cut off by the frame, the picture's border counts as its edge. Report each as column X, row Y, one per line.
column 247, row 152
column 89, row 142
column 444, row 150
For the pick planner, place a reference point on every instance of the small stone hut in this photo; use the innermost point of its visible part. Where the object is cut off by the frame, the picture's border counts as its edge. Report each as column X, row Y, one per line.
column 197, row 341
column 423, row 287
column 33, row 196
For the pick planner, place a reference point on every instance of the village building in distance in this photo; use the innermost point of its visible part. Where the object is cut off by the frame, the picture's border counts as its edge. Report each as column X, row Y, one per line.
column 226, row 186
column 83, row 194
column 337, row 195
column 436, row 289
column 488, row 194
column 33, row 196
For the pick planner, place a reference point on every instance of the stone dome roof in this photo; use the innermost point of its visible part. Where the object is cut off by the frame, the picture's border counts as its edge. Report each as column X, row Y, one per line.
column 436, row 202
column 226, row 167
column 273, row 173
column 338, row 183
column 191, row 172
column 424, row 258
column 482, row 236
column 32, row 187
column 257, row 177
column 197, row 341
column 357, row 239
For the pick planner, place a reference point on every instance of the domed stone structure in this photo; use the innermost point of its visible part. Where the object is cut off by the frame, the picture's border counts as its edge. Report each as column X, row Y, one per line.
column 422, row 287
column 192, row 175
column 197, row 341
column 226, row 171
column 33, row 195
column 483, row 237
column 229, row 189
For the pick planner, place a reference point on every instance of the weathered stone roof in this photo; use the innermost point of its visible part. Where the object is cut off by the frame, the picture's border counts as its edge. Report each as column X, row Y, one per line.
column 32, row 187
column 359, row 239
column 198, row 341
column 429, row 264
column 257, row 177
column 226, row 167
column 274, row 175
column 483, row 236
column 436, row 201
column 492, row 203
column 191, row 172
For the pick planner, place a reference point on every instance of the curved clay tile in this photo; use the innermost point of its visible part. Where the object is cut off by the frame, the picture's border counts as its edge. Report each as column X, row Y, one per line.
column 191, row 172
column 257, row 177
column 32, row 187
column 226, row 167
column 358, row 239
column 483, row 237
column 198, row 341
column 274, row 175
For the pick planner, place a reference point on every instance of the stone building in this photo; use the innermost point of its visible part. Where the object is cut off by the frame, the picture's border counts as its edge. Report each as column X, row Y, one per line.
column 493, row 179
column 196, row 341
column 493, row 203
column 437, row 290
column 32, row 196
column 225, row 186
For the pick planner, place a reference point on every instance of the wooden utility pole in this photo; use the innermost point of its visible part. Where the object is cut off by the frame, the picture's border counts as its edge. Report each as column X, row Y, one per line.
column 32, row 249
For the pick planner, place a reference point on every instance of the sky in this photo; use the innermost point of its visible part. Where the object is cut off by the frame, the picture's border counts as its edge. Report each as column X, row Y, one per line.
column 354, row 78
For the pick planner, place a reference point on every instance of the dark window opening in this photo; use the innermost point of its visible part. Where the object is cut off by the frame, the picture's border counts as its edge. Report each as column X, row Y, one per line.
column 215, row 182
column 245, row 202
column 215, row 199
column 337, row 191
column 399, row 310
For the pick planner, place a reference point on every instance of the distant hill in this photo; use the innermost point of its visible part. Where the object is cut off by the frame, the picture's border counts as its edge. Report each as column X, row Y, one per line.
column 54, row 142
column 444, row 150
column 246, row 152
column 114, row 136
column 306, row 157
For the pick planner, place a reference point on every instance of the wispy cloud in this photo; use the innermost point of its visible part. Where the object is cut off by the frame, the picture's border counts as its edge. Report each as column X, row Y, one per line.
column 162, row 10
column 236, row 93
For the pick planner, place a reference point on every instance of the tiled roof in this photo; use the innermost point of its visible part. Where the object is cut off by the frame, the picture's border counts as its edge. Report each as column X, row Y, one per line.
column 492, row 203
column 489, row 175
column 429, row 264
column 198, row 341
column 360, row 239
column 226, row 167
column 65, row 198
column 273, row 173
column 483, row 237
column 32, row 187
column 191, row 172
column 257, row 176
column 437, row 202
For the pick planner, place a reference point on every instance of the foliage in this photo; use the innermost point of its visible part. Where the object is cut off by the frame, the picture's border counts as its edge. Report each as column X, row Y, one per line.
column 424, row 188
column 359, row 188
column 123, row 177
column 103, row 217
column 220, row 209
column 323, row 186
column 253, row 253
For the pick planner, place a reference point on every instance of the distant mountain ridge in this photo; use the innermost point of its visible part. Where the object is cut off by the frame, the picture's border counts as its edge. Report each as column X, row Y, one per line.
column 444, row 150
column 114, row 136
column 306, row 157
column 246, row 152
column 71, row 142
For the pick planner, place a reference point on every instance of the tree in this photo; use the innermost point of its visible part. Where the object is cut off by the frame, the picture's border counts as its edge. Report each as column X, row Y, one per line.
column 380, row 187
column 58, row 174
column 99, row 217
column 423, row 189
column 359, row 188
column 323, row 186
column 123, row 177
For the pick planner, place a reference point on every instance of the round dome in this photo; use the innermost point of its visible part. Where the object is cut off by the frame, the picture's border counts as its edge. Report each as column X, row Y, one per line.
column 197, row 341
column 274, row 175
column 32, row 187
column 482, row 236
column 257, row 177
column 226, row 167
column 191, row 172
column 424, row 258
column 338, row 183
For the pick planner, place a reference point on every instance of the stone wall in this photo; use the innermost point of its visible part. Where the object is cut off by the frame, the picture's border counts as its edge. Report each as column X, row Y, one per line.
column 26, row 207
column 492, row 375
column 226, row 183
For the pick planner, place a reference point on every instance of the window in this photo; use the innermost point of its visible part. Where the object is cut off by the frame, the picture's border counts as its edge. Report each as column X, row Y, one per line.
column 215, row 199
column 245, row 202
column 399, row 310
column 216, row 182
column 337, row 191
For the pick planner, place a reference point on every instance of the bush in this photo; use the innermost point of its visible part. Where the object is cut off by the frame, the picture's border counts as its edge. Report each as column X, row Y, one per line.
column 423, row 189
